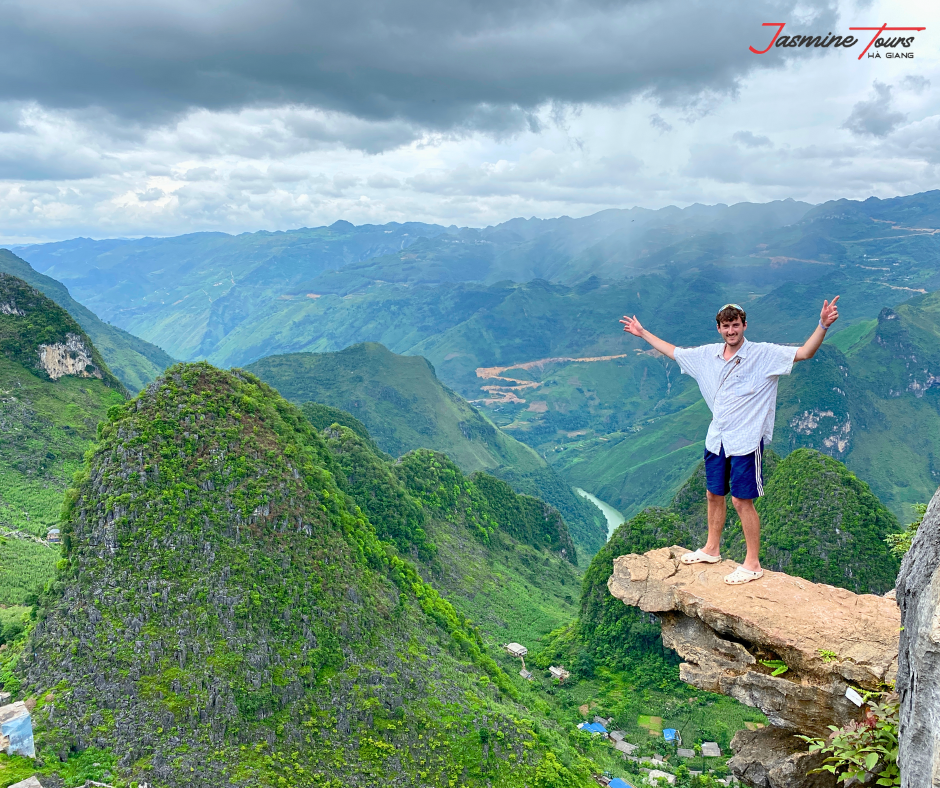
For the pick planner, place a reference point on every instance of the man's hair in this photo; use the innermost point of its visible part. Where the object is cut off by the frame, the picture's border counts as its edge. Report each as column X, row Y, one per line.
column 729, row 313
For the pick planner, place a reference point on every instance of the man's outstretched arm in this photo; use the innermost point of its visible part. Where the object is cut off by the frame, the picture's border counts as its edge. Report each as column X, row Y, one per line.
column 632, row 326
column 828, row 316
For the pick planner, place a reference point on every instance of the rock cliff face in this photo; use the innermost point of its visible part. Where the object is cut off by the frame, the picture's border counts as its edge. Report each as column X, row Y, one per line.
column 71, row 357
column 733, row 638
column 919, row 669
column 41, row 336
column 775, row 758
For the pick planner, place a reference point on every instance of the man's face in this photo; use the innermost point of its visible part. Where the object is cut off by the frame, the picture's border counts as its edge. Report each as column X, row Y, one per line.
column 732, row 331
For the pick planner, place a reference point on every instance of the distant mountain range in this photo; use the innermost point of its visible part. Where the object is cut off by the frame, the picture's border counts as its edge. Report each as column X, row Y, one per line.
column 529, row 290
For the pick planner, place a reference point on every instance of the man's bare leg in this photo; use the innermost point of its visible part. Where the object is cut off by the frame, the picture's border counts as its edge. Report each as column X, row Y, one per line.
column 717, row 511
column 750, row 524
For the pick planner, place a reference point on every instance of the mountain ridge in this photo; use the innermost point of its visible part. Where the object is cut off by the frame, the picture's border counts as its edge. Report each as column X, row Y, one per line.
column 404, row 406
column 135, row 361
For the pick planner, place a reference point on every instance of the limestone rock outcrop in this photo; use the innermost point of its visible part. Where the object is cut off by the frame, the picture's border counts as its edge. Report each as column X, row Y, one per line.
column 775, row 758
column 71, row 357
column 828, row 638
column 918, row 594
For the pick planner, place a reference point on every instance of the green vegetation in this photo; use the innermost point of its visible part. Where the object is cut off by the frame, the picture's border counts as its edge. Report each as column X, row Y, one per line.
column 322, row 416
column 901, row 543
column 25, row 567
column 132, row 360
column 865, row 749
column 273, row 634
column 404, row 407
column 75, row 772
column 46, row 426
column 778, row 666
column 528, row 291
column 13, row 622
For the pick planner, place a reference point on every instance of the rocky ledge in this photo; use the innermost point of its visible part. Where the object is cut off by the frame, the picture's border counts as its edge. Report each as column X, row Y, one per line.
column 828, row 639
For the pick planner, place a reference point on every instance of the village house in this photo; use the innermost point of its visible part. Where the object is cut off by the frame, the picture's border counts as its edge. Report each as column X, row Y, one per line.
column 54, row 536
column 516, row 650
column 625, row 747
column 558, row 672
column 617, row 782
column 29, row 782
column 710, row 749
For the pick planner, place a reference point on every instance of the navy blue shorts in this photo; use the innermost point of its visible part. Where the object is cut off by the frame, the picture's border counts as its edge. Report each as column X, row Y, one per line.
column 742, row 475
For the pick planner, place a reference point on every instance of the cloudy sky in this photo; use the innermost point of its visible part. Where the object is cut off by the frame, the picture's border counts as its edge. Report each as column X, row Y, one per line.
column 126, row 118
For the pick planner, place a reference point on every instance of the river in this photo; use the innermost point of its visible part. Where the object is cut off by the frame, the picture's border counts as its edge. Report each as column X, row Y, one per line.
column 614, row 518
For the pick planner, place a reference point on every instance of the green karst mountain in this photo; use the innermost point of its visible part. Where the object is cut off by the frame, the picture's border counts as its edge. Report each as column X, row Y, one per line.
column 54, row 389
column 238, row 606
column 132, row 360
column 405, row 407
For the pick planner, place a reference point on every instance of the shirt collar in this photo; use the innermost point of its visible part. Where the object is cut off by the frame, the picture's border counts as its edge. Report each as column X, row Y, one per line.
column 742, row 351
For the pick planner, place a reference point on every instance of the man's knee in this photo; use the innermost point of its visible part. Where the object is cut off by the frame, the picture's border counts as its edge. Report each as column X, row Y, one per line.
column 712, row 498
column 742, row 503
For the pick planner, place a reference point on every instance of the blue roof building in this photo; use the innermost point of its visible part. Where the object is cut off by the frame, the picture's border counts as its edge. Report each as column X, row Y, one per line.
column 671, row 735
column 618, row 783
column 593, row 727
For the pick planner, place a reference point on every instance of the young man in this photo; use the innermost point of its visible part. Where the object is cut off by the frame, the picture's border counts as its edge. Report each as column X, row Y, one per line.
column 738, row 380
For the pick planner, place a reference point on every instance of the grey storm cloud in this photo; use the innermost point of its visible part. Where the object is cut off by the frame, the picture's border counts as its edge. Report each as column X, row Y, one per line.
column 474, row 65
column 750, row 140
column 659, row 123
column 875, row 117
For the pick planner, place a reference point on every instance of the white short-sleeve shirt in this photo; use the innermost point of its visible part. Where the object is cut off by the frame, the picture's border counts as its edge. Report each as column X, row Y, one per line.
column 741, row 392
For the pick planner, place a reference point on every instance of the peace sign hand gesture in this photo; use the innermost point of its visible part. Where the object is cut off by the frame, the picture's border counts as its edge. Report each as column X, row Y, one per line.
column 632, row 325
column 829, row 313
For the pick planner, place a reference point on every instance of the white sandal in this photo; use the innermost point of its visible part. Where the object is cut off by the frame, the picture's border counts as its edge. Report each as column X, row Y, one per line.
column 740, row 576
column 700, row 557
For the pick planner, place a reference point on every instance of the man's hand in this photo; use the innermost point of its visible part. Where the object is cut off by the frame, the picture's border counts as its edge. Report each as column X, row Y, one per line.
column 827, row 316
column 829, row 313
column 632, row 325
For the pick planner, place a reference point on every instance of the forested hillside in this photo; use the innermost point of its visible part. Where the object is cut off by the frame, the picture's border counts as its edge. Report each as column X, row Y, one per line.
column 46, row 425
column 405, row 407
column 275, row 634
column 133, row 361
